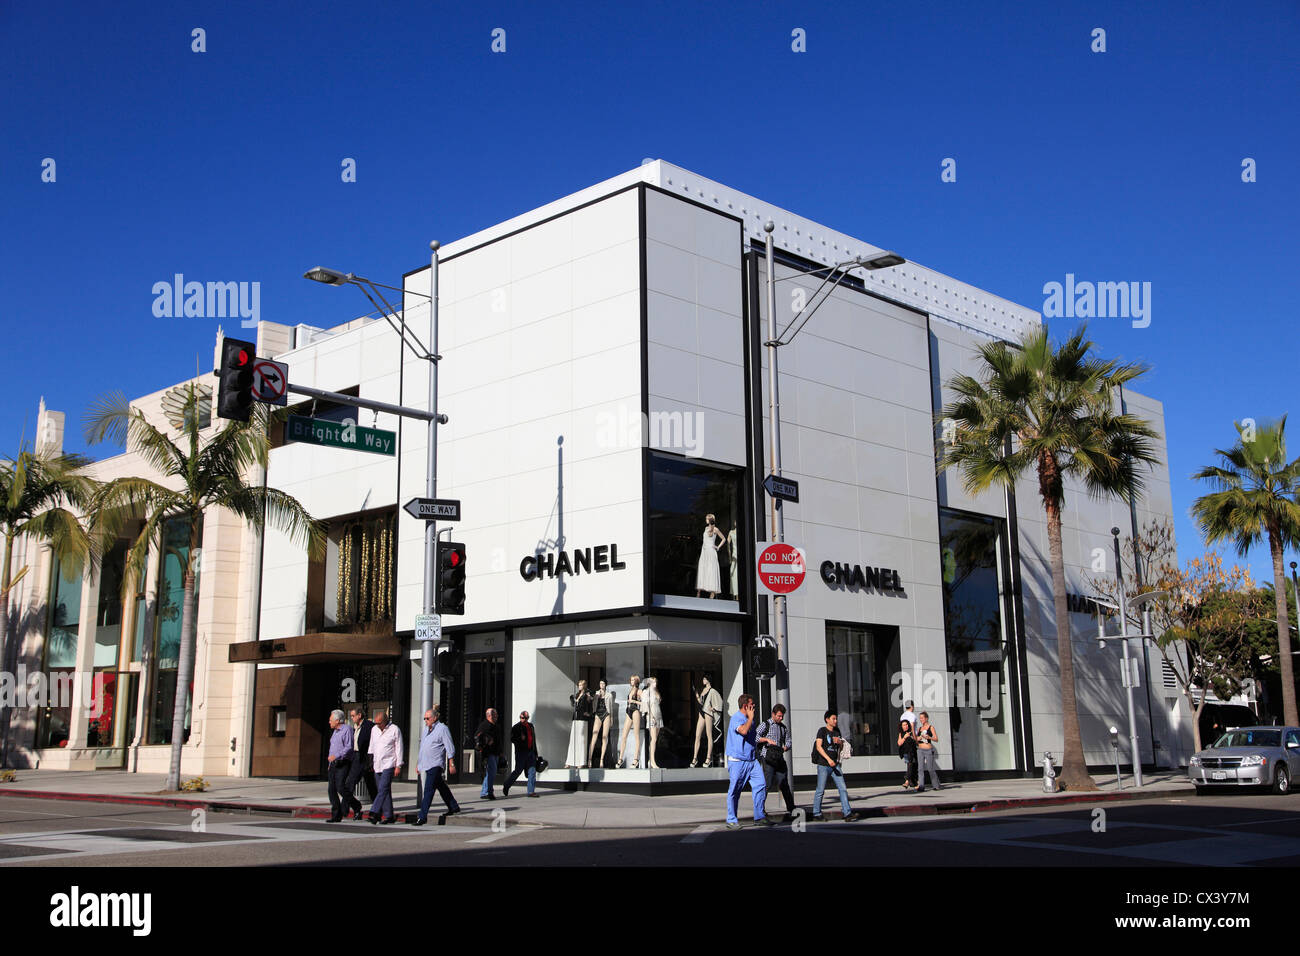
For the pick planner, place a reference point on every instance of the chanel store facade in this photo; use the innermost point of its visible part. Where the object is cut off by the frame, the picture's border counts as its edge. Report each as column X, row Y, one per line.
column 605, row 383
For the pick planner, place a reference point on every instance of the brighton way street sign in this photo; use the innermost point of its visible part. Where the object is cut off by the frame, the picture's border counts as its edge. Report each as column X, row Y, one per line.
column 319, row 431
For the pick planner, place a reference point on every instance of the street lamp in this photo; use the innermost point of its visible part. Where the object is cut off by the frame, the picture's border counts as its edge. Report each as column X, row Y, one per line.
column 883, row 260
column 398, row 321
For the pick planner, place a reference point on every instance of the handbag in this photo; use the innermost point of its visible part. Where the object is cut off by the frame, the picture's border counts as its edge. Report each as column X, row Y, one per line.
column 540, row 763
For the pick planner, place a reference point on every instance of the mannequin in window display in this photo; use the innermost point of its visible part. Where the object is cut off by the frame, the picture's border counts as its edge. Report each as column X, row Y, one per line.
column 654, row 718
column 631, row 722
column 734, row 558
column 710, row 704
column 581, row 702
column 602, row 703
column 708, row 579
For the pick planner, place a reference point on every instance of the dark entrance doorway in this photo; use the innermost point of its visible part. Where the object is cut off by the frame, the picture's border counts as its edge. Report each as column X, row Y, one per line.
column 482, row 685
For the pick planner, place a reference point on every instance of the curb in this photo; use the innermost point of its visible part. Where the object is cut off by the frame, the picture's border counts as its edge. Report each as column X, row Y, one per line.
column 474, row 818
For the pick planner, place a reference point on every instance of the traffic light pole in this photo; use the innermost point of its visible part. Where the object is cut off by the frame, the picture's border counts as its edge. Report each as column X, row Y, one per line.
column 427, row 648
column 774, row 451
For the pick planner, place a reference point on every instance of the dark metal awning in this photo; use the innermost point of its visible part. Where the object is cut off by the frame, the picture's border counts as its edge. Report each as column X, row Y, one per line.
column 315, row 649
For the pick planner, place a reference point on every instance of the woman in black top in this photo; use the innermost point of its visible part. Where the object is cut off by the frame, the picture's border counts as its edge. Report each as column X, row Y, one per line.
column 907, row 750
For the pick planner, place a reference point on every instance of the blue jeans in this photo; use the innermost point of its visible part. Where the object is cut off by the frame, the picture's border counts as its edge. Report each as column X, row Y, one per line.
column 822, row 774
column 741, row 771
column 384, row 796
column 433, row 780
column 489, row 774
column 525, row 763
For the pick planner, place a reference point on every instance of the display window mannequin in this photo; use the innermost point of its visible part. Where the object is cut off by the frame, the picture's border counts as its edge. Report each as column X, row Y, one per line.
column 654, row 718
column 602, row 713
column 581, row 703
column 708, row 578
column 733, row 556
column 632, row 723
column 710, row 703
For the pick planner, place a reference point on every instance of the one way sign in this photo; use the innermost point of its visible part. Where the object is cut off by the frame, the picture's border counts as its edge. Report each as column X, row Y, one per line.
column 782, row 488
column 432, row 509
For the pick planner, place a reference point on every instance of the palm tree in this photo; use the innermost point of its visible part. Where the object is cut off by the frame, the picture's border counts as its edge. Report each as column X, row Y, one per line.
column 208, row 473
column 1255, row 496
column 1051, row 409
column 37, row 490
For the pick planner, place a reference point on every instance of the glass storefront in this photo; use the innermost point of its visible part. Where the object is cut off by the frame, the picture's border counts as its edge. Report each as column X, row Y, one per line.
column 167, row 630
column 860, row 661
column 63, row 629
column 978, row 688
column 688, row 556
column 677, row 670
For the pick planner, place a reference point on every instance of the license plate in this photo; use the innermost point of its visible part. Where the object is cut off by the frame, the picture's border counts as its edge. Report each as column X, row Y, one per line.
column 1219, row 775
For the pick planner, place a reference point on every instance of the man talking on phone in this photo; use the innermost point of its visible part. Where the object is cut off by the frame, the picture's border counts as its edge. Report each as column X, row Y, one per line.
column 743, row 766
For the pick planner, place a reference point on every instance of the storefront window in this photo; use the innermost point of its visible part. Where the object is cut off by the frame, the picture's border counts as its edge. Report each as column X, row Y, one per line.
column 973, row 597
column 167, row 637
column 62, row 632
column 357, row 590
column 860, row 664
column 688, row 556
column 108, row 616
column 677, row 669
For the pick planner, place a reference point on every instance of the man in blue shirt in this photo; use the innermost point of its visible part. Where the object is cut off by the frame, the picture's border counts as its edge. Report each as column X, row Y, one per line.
column 742, row 765
column 340, row 763
column 437, row 752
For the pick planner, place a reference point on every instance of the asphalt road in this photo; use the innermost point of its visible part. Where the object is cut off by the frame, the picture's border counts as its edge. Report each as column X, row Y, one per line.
column 1228, row 830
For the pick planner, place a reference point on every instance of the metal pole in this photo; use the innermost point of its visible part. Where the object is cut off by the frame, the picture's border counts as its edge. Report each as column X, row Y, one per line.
column 431, row 489
column 1128, row 672
column 774, row 454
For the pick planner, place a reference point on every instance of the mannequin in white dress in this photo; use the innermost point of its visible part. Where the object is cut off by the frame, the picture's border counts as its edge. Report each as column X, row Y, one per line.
column 710, row 702
column 602, row 713
column 632, row 723
column 707, row 576
column 650, row 701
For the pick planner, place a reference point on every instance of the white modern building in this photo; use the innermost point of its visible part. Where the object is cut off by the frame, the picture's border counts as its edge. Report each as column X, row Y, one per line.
column 603, row 371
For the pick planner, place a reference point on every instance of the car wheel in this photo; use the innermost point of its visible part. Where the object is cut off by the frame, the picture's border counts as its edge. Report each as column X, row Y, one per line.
column 1281, row 781
column 1202, row 791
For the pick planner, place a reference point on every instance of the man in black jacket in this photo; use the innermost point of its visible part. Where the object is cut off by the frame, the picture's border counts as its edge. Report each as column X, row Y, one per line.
column 487, row 740
column 524, row 737
column 363, row 764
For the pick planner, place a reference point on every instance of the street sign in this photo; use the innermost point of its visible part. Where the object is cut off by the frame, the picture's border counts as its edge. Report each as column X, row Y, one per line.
column 781, row 567
column 782, row 488
column 271, row 382
column 428, row 627
column 319, row 431
column 434, row 509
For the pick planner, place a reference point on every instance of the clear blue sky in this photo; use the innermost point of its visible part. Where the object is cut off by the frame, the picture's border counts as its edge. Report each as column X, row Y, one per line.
column 225, row 165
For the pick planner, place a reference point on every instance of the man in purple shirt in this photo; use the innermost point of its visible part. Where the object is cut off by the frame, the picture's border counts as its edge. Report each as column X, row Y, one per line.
column 340, row 763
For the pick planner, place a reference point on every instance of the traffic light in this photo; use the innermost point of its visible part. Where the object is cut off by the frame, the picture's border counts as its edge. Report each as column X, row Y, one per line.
column 235, row 380
column 762, row 661
column 451, row 577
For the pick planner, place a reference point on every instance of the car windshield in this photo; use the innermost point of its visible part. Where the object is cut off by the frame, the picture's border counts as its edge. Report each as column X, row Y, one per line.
column 1250, row 738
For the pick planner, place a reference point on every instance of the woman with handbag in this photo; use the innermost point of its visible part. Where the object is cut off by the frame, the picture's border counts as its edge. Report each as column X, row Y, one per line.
column 907, row 750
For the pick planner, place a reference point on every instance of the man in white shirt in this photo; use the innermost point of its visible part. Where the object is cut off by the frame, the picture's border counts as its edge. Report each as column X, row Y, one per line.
column 386, row 748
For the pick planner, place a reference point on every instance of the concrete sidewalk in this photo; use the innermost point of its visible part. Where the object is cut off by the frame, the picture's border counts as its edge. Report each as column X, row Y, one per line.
column 591, row 809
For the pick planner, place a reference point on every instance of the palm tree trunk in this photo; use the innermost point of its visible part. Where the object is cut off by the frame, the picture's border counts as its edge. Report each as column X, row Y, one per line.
column 5, row 662
column 1283, row 630
column 184, row 666
column 1074, row 769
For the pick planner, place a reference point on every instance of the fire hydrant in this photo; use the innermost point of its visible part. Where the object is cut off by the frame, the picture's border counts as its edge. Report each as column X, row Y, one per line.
column 1049, row 774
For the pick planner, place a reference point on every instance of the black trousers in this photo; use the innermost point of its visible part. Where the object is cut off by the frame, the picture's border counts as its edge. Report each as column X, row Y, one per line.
column 361, row 767
column 341, row 798
column 779, row 779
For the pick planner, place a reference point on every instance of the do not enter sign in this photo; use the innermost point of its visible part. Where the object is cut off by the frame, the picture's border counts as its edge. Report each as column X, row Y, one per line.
column 781, row 567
